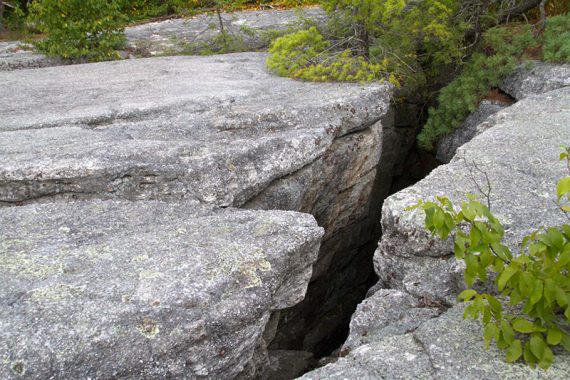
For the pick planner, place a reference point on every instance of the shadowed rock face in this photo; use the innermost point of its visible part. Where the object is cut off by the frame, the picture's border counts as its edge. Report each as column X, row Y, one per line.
column 404, row 332
column 121, row 169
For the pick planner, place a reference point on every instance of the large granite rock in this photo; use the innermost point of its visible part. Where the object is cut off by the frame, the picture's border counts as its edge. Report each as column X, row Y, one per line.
column 77, row 139
column 520, row 156
column 471, row 127
column 447, row 347
column 160, row 129
column 399, row 333
column 146, row 289
column 249, row 30
column 536, row 78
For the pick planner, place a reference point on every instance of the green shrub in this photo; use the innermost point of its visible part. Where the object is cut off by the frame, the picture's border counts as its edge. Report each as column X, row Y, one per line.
column 89, row 29
column 306, row 55
column 556, row 46
column 535, row 282
column 502, row 49
column 374, row 40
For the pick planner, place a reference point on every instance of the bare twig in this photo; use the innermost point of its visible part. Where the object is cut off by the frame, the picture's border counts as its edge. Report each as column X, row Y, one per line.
column 485, row 193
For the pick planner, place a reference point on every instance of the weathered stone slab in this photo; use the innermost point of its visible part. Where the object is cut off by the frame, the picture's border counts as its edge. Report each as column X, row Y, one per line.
column 531, row 78
column 161, row 129
column 14, row 57
column 250, row 30
column 520, row 156
column 397, row 333
column 471, row 127
column 144, row 290
column 536, row 78
column 447, row 347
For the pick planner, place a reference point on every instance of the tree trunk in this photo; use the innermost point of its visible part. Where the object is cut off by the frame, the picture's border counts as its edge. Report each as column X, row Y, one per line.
column 1, row 15
column 524, row 6
column 542, row 22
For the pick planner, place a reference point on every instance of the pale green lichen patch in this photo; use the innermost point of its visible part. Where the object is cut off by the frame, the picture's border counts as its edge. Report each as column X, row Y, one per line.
column 247, row 261
column 22, row 258
column 19, row 368
column 16, row 259
column 53, row 293
column 148, row 328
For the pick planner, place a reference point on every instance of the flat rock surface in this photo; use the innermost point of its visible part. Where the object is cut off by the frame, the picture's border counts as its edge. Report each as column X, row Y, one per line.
column 150, row 290
column 207, row 129
column 249, row 29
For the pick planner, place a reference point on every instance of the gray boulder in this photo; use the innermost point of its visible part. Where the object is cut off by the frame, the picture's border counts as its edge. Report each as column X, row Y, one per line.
column 144, row 290
column 520, row 156
column 447, row 347
column 536, row 78
column 471, row 127
column 160, row 130
column 400, row 333
column 248, row 30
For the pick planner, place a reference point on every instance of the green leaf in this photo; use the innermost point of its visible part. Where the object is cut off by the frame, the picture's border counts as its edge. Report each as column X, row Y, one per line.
column 564, row 258
column 563, row 187
column 547, row 358
column 537, row 346
column 524, row 326
column 514, row 351
column 466, row 295
column 554, row 336
column 536, row 294
column 553, row 238
column 508, row 333
column 529, row 358
column 495, row 305
column 491, row 331
column 565, row 341
column 506, row 275
column 550, row 291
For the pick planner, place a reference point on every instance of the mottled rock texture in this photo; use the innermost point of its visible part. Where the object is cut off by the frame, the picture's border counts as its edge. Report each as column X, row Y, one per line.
column 400, row 333
column 446, row 347
column 14, row 57
column 471, row 127
column 248, row 30
column 148, row 290
column 112, row 162
column 160, row 129
column 536, row 78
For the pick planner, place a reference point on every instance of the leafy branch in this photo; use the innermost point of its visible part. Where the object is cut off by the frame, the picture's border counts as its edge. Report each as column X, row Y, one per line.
column 535, row 282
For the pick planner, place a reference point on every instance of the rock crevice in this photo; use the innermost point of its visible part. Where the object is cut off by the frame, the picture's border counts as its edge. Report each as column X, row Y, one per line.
column 193, row 287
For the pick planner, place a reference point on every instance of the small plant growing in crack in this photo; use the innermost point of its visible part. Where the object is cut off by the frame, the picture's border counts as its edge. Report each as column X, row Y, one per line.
column 535, row 282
